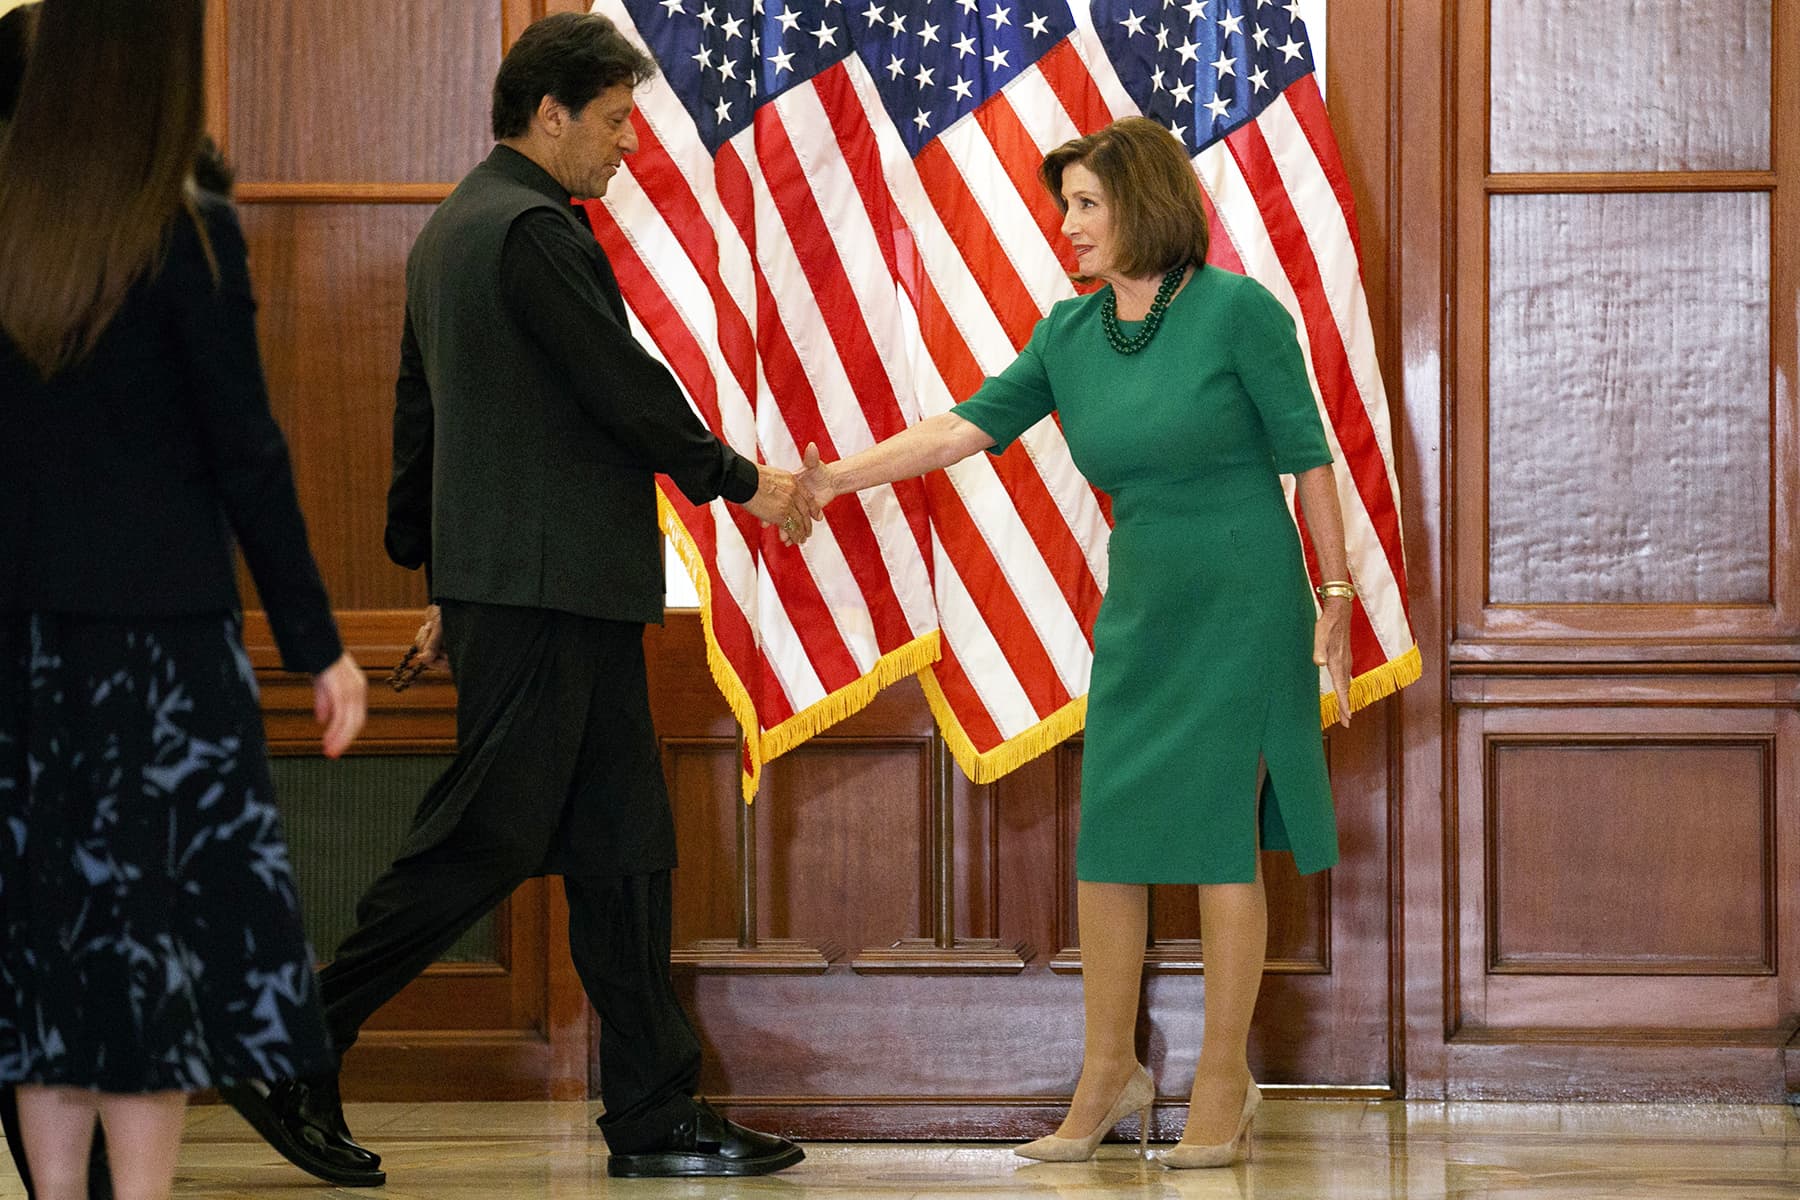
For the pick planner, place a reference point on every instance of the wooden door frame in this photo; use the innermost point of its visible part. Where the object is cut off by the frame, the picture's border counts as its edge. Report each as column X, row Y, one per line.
column 1433, row 117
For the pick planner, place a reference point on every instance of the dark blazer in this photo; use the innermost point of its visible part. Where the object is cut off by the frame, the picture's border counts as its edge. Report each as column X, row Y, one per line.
column 528, row 422
column 125, row 477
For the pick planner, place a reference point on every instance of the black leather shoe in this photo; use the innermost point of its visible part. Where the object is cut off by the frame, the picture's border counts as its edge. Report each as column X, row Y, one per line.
column 705, row 1143
column 304, row 1121
column 318, row 1100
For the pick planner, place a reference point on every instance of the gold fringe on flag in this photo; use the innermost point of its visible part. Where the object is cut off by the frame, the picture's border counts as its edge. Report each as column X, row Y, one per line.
column 1371, row 686
column 737, row 696
column 1069, row 720
column 852, row 698
column 910, row 659
column 915, row 658
column 1014, row 752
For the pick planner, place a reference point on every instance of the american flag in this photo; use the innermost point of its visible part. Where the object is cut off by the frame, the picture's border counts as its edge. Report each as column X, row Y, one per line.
column 833, row 228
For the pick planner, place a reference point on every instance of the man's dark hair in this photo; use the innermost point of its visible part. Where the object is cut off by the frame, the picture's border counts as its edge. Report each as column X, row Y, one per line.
column 15, row 48
column 570, row 57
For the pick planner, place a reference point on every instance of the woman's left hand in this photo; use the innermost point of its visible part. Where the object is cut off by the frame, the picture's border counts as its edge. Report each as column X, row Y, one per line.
column 1331, row 649
column 341, row 703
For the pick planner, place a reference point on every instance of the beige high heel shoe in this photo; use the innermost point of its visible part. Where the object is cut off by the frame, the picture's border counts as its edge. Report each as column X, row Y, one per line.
column 1136, row 1096
column 1184, row 1154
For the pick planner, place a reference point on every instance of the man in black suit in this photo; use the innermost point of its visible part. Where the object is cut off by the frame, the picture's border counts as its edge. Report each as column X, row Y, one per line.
column 528, row 425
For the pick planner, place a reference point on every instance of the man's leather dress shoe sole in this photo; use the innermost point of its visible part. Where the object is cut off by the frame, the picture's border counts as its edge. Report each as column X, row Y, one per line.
column 669, row 1164
column 302, row 1143
column 706, row 1144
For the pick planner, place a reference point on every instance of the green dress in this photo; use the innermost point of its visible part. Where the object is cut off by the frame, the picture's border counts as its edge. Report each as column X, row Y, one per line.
column 1203, row 646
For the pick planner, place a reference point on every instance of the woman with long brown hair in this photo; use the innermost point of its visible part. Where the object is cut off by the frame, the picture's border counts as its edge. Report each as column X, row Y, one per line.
column 150, row 941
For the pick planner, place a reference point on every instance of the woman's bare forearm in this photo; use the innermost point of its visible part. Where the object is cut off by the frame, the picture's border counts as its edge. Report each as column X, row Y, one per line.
column 931, row 444
column 1324, row 521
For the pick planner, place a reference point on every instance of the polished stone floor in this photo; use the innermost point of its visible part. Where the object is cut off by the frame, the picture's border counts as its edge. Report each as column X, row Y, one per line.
column 1305, row 1150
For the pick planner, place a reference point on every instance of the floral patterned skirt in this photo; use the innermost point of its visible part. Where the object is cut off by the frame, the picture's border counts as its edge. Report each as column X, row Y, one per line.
column 150, row 932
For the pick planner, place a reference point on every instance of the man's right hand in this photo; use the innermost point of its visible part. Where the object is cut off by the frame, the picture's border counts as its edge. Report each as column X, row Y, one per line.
column 781, row 501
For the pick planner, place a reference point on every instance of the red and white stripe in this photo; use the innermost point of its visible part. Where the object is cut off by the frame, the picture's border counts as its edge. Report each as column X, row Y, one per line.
column 1283, row 214
column 800, row 299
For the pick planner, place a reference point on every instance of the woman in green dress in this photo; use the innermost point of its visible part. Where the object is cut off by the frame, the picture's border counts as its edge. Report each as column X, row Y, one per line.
column 1183, row 393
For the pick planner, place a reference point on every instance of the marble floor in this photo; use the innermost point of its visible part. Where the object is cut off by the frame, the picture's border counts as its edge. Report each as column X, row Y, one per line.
column 1305, row 1150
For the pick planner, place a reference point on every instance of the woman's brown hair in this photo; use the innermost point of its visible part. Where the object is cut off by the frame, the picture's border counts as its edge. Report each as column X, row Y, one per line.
column 93, row 166
column 1160, row 222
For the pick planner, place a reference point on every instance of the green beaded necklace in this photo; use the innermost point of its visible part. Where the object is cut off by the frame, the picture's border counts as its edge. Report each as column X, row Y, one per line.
column 1109, row 314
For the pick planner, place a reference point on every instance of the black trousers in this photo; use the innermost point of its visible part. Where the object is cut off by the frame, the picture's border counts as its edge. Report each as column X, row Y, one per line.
column 556, row 769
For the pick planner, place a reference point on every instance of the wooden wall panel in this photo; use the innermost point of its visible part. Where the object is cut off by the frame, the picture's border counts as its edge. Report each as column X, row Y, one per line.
column 1629, row 428
column 345, row 90
column 1630, row 857
column 1299, row 935
column 706, row 881
column 1175, row 914
column 977, row 834
column 1423, row 131
column 844, row 834
column 1619, row 882
column 1029, row 850
column 333, row 276
column 1299, row 926
column 1584, row 86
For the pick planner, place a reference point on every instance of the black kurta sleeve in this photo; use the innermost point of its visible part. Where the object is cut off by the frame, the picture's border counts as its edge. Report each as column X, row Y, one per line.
column 245, row 450
column 551, row 286
column 408, row 536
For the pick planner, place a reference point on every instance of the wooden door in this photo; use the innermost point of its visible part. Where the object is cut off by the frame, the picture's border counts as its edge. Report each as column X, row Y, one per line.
column 1602, row 798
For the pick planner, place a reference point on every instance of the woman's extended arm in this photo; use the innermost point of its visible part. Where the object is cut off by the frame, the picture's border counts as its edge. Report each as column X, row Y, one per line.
column 933, row 443
column 1331, row 636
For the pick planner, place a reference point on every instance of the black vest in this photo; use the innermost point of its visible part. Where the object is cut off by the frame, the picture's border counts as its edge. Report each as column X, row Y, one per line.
column 532, row 503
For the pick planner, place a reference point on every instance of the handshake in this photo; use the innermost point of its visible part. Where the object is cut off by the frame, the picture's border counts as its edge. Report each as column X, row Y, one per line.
column 789, row 500
column 793, row 500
